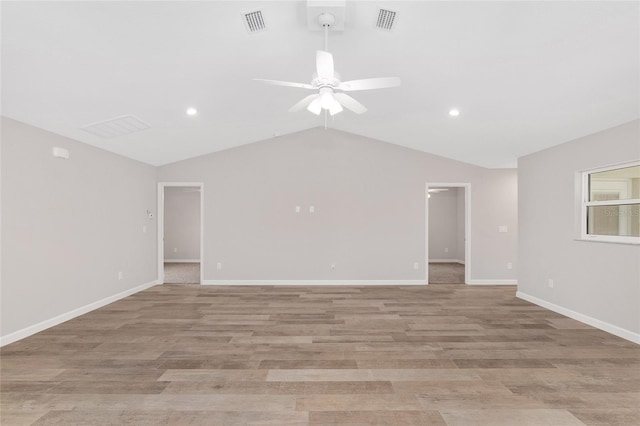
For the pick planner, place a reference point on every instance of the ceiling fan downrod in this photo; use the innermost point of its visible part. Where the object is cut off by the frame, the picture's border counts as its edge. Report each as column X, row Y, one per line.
column 326, row 21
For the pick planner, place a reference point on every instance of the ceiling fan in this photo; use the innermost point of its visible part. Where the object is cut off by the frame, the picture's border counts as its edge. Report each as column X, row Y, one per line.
column 330, row 90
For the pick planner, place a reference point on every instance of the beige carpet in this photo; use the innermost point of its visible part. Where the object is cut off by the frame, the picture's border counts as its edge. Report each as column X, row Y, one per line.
column 446, row 273
column 181, row 273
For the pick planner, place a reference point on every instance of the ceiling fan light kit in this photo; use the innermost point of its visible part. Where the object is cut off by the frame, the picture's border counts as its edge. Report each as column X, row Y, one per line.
column 330, row 95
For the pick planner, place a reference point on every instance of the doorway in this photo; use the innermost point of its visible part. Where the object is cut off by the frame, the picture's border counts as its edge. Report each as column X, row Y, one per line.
column 180, row 236
column 447, row 233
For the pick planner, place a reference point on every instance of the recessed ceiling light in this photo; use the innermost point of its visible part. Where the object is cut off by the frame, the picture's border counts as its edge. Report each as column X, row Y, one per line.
column 454, row 112
column 192, row 111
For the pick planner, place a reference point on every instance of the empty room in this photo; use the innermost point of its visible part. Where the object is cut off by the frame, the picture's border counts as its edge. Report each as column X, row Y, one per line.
column 320, row 213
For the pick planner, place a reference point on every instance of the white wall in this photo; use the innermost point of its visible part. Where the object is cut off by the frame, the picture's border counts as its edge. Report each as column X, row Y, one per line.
column 369, row 198
column 593, row 281
column 69, row 227
column 181, row 224
column 444, row 225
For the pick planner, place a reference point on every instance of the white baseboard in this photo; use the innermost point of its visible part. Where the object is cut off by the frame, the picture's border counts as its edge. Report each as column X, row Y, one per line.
column 36, row 328
column 314, row 282
column 492, row 282
column 605, row 326
column 182, row 260
column 446, row 261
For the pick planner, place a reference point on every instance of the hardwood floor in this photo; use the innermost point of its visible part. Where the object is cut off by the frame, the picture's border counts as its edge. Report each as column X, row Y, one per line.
column 446, row 273
column 181, row 273
column 406, row 355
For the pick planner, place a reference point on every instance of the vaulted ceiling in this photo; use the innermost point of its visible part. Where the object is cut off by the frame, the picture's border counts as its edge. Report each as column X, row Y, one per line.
column 524, row 75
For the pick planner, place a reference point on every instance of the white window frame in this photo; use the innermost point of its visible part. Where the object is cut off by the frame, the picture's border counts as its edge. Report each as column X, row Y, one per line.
column 586, row 204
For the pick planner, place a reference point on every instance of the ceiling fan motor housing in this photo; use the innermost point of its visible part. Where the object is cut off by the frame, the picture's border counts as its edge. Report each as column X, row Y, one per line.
column 318, row 82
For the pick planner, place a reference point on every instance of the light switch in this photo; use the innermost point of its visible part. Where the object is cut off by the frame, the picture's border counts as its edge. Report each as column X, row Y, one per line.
column 312, row 209
column 503, row 228
column 297, row 209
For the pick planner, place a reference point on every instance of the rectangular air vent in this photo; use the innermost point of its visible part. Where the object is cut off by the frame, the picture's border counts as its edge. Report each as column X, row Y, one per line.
column 386, row 18
column 115, row 127
column 254, row 21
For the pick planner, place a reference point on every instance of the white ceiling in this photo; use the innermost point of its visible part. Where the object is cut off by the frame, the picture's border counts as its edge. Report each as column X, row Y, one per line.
column 525, row 75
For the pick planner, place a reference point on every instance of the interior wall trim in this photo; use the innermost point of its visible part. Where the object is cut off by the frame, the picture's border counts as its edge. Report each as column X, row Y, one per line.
column 314, row 282
column 59, row 319
column 492, row 282
column 586, row 319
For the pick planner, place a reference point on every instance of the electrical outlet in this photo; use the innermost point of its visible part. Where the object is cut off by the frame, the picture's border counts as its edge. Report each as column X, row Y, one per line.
column 312, row 209
column 297, row 209
column 416, row 265
column 219, row 265
column 175, row 249
column 333, row 266
column 550, row 283
column 509, row 265
column 446, row 250
column 120, row 275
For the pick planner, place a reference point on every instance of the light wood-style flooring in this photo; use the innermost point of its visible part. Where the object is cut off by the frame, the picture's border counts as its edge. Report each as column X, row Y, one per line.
column 446, row 273
column 181, row 273
column 379, row 355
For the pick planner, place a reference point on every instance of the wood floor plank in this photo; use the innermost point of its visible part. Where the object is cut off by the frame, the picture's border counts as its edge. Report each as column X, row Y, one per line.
column 357, row 402
column 377, row 418
column 510, row 417
column 19, row 418
column 300, row 355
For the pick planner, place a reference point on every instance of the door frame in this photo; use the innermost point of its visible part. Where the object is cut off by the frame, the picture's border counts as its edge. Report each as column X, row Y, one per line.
column 467, row 225
column 161, row 188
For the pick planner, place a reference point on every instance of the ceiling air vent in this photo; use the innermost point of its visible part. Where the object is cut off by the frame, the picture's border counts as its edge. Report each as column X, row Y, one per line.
column 254, row 21
column 118, row 126
column 386, row 18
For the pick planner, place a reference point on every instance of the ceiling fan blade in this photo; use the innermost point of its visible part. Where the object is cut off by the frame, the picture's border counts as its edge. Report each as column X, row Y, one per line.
column 303, row 103
column 285, row 83
column 370, row 83
column 350, row 103
column 324, row 65
column 335, row 108
column 315, row 106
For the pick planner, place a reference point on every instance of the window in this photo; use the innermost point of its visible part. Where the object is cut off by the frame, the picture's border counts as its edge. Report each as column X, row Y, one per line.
column 611, row 204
